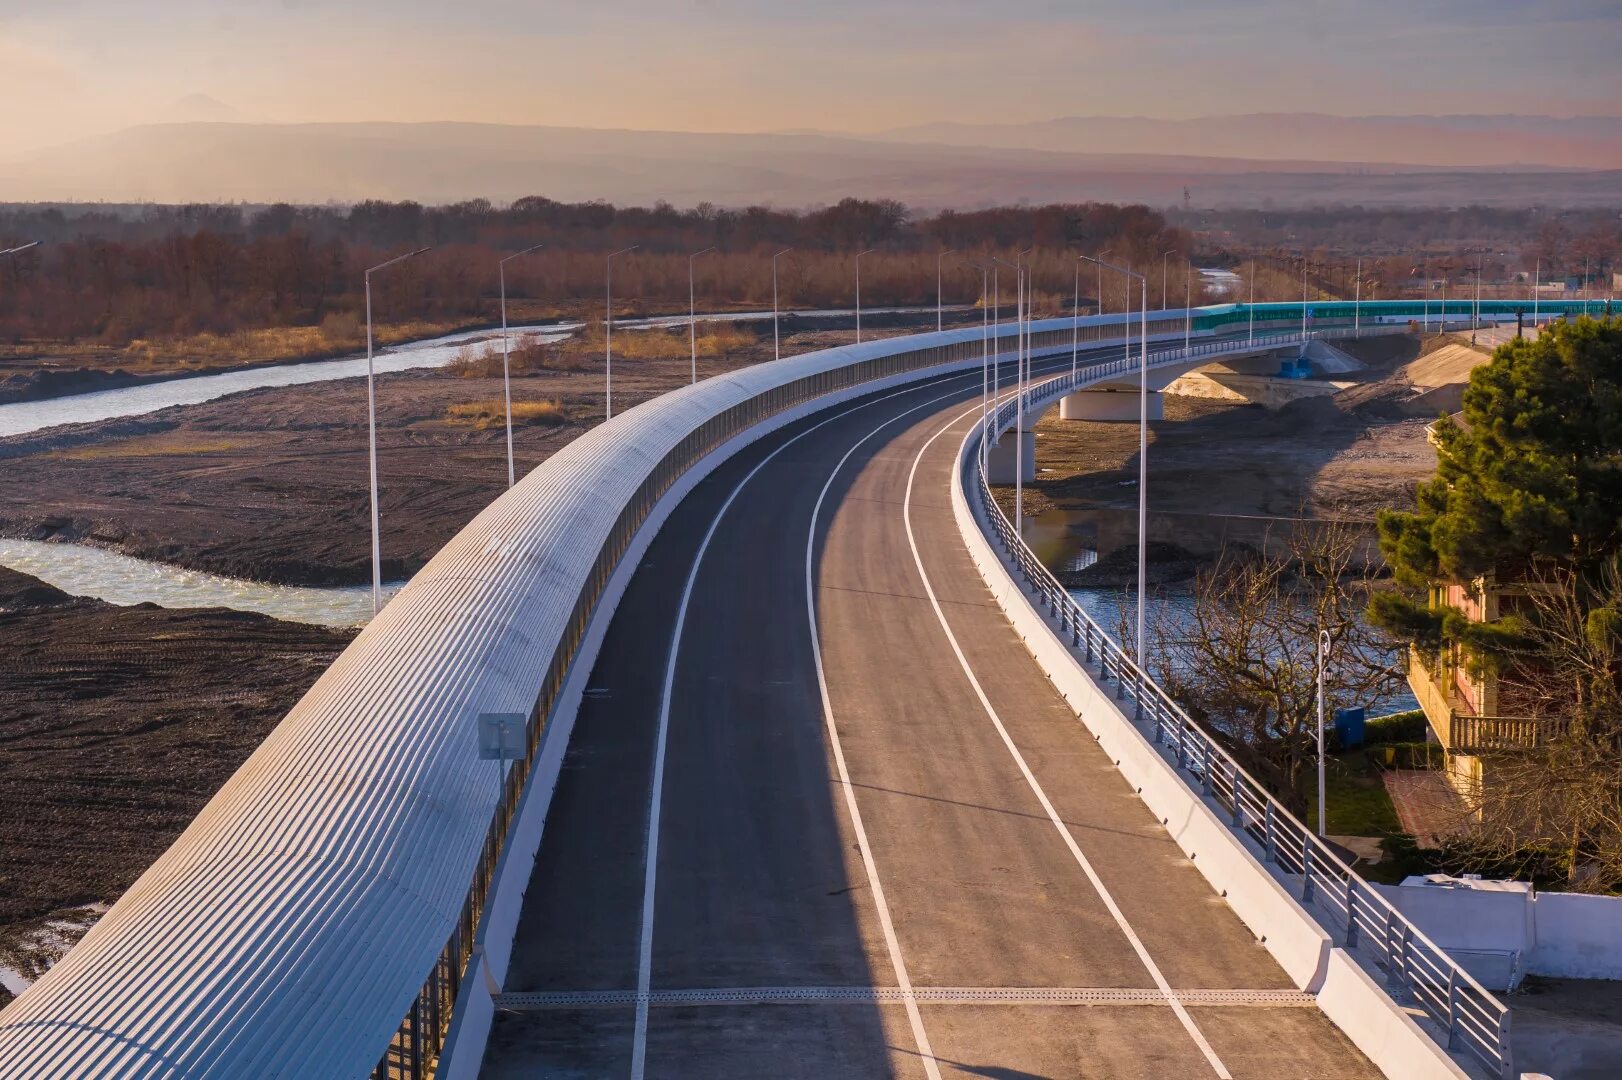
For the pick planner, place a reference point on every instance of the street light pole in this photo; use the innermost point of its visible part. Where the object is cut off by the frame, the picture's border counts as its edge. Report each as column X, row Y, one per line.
column 1075, row 324
column 1425, row 284
column 938, row 301
column 1143, row 432
column 1163, row 257
column 506, row 357
column 859, row 254
column 1101, row 254
column 1357, row 303
column 1323, row 660
column 608, row 330
column 1475, row 316
column 1537, row 290
column 985, row 355
column 1303, row 305
column 692, row 315
column 371, row 433
column 1252, row 304
column 1018, row 267
column 1188, row 308
column 777, row 352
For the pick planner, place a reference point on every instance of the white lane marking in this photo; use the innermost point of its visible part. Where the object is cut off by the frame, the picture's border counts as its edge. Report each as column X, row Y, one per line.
column 925, row 1052
column 1030, row 778
column 650, row 872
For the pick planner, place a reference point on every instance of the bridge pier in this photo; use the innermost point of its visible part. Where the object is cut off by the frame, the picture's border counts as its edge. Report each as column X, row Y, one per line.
column 1110, row 405
column 1000, row 464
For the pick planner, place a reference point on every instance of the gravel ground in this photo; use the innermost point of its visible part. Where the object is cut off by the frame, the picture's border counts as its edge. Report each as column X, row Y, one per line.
column 271, row 485
column 116, row 725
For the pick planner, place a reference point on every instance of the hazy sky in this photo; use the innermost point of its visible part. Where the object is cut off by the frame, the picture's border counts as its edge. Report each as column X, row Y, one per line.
column 76, row 67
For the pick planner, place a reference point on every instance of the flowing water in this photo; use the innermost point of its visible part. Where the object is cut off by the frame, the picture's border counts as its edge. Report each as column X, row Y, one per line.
column 24, row 416
column 19, row 418
column 120, row 579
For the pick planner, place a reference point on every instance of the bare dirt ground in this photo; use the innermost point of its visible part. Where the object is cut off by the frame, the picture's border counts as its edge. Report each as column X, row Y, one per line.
column 272, row 485
column 1339, row 457
column 116, row 725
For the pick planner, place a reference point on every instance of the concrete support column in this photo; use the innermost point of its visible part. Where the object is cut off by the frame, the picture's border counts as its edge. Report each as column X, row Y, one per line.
column 1001, row 462
column 1110, row 406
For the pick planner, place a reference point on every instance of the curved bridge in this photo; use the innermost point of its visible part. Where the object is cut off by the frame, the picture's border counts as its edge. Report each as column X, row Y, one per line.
column 797, row 798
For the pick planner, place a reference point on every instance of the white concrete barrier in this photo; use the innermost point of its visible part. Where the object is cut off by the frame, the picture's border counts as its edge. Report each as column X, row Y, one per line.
column 1578, row 937
column 1387, row 1035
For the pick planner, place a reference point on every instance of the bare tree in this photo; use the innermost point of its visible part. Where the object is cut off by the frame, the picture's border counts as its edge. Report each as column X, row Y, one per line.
column 1244, row 660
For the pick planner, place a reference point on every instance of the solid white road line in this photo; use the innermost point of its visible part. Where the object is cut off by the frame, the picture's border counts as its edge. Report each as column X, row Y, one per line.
column 1030, row 777
column 904, row 982
column 650, row 873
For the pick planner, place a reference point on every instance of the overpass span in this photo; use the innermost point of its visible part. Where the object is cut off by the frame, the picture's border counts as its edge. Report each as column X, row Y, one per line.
column 324, row 892
column 879, row 844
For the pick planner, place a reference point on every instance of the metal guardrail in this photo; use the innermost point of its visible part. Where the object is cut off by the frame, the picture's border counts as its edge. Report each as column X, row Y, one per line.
column 1417, row 971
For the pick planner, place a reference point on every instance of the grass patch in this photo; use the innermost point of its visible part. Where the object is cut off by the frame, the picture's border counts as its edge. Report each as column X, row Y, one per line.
column 1359, row 804
column 151, row 446
column 585, row 349
column 487, row 414
column 337, row 334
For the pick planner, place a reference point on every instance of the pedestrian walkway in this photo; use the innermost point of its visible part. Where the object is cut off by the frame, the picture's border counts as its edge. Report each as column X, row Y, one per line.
column 1427, row 807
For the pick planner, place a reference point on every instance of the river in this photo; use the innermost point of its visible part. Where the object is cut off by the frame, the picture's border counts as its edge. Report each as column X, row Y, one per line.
column 119, row 579
column 21, row 417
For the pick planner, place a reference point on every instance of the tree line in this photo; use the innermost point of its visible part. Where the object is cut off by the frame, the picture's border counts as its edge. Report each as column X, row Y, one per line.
column 113, row 275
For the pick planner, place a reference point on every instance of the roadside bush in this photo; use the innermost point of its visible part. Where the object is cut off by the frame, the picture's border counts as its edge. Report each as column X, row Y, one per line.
column 1408, row 755
column 488, row 414
column 1395, row 727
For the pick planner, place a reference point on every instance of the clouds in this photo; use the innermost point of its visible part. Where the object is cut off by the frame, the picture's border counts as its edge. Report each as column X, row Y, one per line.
column 837, row 64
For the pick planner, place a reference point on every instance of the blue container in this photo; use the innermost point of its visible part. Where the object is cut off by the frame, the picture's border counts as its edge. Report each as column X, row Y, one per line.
column 1349, row 725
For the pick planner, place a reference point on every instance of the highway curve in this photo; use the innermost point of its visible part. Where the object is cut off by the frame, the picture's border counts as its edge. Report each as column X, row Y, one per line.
column 883, row 849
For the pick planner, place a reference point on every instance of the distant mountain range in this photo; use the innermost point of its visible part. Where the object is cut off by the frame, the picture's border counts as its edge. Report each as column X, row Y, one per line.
column 929, row 167
column 1586, row 142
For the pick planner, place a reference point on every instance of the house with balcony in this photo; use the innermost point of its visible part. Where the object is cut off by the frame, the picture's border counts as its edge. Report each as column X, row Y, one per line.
column 1468, row 707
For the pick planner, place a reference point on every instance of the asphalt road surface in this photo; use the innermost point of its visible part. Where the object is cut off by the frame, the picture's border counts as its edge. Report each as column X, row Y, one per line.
column 878, row 842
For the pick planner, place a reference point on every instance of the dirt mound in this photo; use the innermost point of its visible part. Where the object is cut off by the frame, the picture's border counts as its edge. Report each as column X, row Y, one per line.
column 19, row 592
column 1445, row 366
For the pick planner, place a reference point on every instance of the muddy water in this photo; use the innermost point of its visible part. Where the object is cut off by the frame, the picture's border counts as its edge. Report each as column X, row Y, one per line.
column 118, row 579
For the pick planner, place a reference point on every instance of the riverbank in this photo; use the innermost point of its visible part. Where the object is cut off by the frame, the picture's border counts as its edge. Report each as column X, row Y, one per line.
column 271, row 485
column 1222, row 472
column 49, row 371
column 116, row 725
column 44, row 372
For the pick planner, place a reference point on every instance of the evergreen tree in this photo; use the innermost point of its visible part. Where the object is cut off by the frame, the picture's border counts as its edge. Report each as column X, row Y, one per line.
column 1530, row 481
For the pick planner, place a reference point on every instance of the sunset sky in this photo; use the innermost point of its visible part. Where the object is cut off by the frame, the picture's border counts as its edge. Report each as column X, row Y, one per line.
column 78, row 67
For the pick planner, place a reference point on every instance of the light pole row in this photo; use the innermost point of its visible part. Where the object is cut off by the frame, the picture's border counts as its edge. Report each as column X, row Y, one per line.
column 1143, row 431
